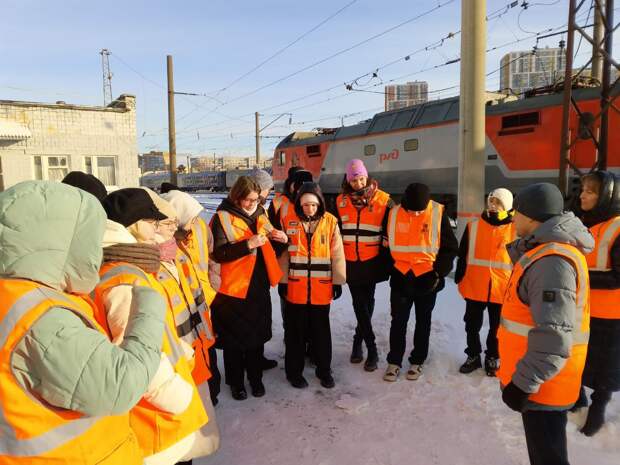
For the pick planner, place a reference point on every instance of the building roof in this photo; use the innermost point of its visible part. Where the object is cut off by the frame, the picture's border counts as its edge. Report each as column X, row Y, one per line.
column 119, row 105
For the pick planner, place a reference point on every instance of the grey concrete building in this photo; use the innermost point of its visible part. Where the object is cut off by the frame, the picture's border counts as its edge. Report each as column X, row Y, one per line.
column 47, row 140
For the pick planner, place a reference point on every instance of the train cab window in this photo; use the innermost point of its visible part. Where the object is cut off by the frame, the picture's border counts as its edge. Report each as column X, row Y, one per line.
column 521, row 119
column 411, row 145
column 370, row 150
column 282, row 159
column 313, row 150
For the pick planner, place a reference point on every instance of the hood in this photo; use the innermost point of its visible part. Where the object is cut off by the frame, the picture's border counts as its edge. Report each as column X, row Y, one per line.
column 608, row 205
column 116, row 233
column 309, row 188
column 51, row 233
column 187, row 207
column 565, row 228
column 229, row 206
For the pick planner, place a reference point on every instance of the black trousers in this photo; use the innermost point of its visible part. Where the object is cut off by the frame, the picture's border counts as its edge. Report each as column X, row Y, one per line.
column 216, row 377
column 401, row 303
column 474, row 316
column 303, row 323
column 364, row 305
column 545, row 434
column 238, row 362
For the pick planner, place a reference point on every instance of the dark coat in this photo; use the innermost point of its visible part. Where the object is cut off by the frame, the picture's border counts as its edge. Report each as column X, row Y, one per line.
column 241, row 323
column 433, row 281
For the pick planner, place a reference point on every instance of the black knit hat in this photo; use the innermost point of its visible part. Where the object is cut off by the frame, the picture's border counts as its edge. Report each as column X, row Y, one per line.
column 126, row 206
column 299, row 178
column 540, row 201
column 86, row 182
column 416, row 197
column 167, row 187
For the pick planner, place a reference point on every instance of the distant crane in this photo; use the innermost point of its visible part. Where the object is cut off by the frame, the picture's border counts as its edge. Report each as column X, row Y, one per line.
column 107, row 76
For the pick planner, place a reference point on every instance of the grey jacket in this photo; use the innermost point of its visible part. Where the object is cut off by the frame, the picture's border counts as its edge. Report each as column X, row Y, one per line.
column 550, row 342
column 51, row 233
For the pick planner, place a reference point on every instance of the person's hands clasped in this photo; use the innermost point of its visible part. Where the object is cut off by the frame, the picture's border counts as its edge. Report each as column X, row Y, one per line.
column 256, row 241
column 278, row 236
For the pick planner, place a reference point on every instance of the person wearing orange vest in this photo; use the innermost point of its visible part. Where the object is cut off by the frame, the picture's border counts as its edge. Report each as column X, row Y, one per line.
column 248, row 266
column 280, row 199
column 482, row 272
column 65, row 388
column 192, row 237
column 362, row 211
column 423, row 248
column 168, row 417
column 544, row 327
column 314, row 272
column 600, row 211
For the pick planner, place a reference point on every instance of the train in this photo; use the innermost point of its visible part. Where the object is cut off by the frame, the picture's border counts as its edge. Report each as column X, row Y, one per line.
column 214, row 181
column 420, row 144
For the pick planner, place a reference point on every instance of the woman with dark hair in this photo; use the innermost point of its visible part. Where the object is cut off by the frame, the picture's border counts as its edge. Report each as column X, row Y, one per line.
column 600, row 212
column 362, row 211
column 241, row 310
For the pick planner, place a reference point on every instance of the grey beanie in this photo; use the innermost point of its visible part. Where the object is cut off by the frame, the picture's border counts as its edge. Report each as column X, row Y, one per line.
column 539, row 201
column 263, row 179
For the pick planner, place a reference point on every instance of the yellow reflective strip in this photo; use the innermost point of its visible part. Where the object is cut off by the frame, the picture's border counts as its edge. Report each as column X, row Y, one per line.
column 226, row 222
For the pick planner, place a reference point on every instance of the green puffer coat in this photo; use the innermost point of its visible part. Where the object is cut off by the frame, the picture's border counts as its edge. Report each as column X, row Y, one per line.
column 51, row 233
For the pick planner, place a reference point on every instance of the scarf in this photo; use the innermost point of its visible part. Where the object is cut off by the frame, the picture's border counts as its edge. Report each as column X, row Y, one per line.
column 145, row 256
column 168, row 250
column 362, row 197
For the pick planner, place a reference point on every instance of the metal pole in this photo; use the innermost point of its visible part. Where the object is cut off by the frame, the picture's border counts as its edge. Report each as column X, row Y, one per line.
column 472, row 136
column 172, row 138
column 568, row 81
column 597, row 64
column 605, row 86
column 257, row 130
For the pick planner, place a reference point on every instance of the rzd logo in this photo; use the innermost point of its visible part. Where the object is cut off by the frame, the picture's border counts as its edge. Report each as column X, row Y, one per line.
column 393, row 155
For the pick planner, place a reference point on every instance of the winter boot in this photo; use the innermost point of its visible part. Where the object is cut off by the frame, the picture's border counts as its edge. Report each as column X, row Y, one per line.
column 327, row 380
column 238, row 392
column 491, row 365
column 268, row 364
column 258, row 389
column 391, row 373
column 356, row 353
column 414, row 372
column 596, row 413
column 298, row 382
column 471, row 364
column 372, row 359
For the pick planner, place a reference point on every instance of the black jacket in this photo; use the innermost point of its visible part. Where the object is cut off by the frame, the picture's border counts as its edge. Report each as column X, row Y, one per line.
column 241, row 323
column 432, row 281
column 461, row 264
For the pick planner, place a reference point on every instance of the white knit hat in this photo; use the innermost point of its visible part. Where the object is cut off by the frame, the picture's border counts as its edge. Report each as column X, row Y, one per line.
column 186, row 206
column 504, row 196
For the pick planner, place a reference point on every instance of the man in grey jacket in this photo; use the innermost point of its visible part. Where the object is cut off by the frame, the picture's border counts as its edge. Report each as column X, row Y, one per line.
column 542, row 329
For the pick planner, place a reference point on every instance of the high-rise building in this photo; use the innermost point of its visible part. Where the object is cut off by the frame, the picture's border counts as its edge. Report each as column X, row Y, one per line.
column 404, row 95
column 522, row 71
column 154, row 161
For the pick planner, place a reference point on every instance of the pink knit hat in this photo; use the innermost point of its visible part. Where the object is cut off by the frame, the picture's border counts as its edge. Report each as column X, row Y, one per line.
column 356, row 168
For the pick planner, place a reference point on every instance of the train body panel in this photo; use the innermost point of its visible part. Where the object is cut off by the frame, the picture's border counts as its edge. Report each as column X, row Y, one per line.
column 522, row 146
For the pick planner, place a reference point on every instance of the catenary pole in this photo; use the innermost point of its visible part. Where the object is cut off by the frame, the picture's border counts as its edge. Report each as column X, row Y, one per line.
column 172, row 140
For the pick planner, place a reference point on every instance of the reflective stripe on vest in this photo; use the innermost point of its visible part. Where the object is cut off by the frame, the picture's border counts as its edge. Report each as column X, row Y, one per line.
column 434, row 230
column 471, row 255
column 611, row 230
column 561, row 390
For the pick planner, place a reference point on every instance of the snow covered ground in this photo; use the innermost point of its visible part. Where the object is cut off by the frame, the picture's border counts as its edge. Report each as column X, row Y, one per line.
column 442, row 418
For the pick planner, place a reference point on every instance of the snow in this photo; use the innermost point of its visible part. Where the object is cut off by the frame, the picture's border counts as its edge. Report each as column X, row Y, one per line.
column 442, row 418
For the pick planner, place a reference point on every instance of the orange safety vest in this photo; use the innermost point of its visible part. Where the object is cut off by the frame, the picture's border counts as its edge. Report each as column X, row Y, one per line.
column 156, row 430
column 280, row 201
column 604, row 303
column 309, row 269
column 34, row 432
column 562, row 390
column 488, row 263
column 236, row 275
column 362, row 228
column 197, row 250
column 414, row 240
column 188, row 318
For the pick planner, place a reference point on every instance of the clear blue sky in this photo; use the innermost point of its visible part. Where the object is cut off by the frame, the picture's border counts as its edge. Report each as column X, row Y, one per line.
column 50, row 52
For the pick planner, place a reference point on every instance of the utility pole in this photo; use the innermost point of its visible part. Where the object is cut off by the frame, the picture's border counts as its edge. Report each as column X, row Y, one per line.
column 172, row 138
column 472, row 136
column 107, row 76
column 597, row 63
column 257, row 129
column 606, row 85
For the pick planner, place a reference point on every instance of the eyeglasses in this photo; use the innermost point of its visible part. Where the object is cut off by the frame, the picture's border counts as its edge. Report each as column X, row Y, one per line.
column 252, row 201
column 169, row 223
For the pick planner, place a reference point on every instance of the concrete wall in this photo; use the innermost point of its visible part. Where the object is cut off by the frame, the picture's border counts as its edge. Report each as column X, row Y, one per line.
column 75, row 132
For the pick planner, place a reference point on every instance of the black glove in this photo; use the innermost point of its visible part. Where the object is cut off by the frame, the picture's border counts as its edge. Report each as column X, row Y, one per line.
column 337, row 291
column 282, row 290
column 427, row 282
column 514, row 397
